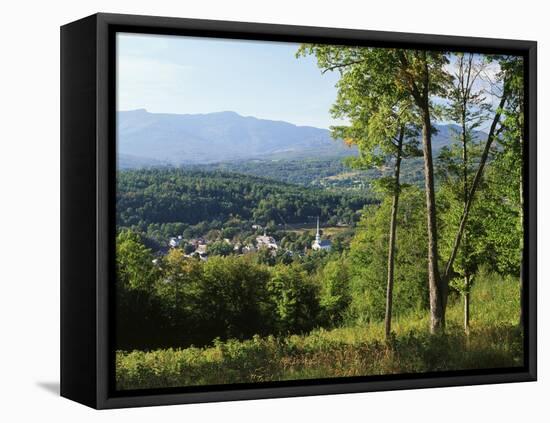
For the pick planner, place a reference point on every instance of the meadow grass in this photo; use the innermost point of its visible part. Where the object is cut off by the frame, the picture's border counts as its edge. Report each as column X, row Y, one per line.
column 495, row 341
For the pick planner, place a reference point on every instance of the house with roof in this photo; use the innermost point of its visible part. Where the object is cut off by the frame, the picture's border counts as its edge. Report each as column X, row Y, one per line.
column 266, row 241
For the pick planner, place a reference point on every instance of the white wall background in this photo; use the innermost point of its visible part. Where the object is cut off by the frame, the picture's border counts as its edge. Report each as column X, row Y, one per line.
column 29, row 210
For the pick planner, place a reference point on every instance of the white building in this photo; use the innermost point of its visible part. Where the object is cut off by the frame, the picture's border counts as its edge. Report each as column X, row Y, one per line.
column 320, row 244
column 266, row 241
column 175, row 242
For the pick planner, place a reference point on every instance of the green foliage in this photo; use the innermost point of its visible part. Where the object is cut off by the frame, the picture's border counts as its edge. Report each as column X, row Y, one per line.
column 182, row 301
column 371, row 97
column 341, row 241
column 335, row 295
column 219, row 248
column 369, row 259
column 233, row 299
column 313, row 261
column 159, row 203
column 265, row 256
column 135, row 269
column 309, row 172
column 297, row 242
column 494, row 342
column 137, row 309
column 502, row 242
column 330, row 173
column 504, row 226
column 264, row 316
column 295, row 299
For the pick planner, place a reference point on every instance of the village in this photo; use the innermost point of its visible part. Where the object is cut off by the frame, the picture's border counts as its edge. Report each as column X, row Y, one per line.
column 201, row 247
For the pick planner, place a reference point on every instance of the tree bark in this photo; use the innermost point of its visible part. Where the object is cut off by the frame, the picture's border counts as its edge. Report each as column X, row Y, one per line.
column 393, row 229
column 467, row 304
column 422, row 100
column 437, row 312
column 465, row 96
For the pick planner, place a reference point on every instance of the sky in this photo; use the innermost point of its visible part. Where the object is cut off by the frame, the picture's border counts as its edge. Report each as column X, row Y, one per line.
column 189, row 75
column 177, row 74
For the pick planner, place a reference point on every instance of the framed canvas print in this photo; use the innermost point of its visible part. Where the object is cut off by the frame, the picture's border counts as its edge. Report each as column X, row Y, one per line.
column 254, row 211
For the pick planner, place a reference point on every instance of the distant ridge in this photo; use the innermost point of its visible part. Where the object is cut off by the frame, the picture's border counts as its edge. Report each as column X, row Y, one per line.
column 156, row 139
column 214, row 137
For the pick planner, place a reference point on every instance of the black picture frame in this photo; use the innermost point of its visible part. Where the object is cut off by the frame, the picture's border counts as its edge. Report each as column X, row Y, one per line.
column 88, row 206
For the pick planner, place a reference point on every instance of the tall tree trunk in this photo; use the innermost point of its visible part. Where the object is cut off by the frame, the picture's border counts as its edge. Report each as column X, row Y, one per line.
column 437, row 312
column 467, row 304
column 465, row 204
column 393, row 228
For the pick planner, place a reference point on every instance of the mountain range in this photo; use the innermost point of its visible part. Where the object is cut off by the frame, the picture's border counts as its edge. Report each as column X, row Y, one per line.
column 156, row 139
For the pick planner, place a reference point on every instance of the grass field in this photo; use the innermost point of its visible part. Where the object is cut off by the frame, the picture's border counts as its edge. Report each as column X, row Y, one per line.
column 495, row 341
column 327, row 230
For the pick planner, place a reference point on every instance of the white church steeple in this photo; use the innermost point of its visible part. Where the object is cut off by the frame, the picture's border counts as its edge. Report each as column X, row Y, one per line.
column 319, row 244
column 317, row 235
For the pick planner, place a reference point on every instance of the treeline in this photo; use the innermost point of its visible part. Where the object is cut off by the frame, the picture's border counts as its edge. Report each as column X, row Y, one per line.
column 332, row 173
column 306, row 172
column 166, row 202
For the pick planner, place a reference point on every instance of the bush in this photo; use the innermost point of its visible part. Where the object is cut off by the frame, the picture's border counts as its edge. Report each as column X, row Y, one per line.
column 295, row 299
column 335, row 295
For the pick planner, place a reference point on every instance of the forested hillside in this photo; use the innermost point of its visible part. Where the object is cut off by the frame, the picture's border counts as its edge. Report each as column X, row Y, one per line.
column 166, row 202
column 332, row 173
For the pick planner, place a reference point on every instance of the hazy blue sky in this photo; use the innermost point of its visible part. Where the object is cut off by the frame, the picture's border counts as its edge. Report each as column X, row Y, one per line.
column 174, row 74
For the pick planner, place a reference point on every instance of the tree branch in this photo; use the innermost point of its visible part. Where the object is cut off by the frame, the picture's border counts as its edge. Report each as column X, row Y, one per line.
column 473, row 188
column 340, row 65
column 410, row 79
